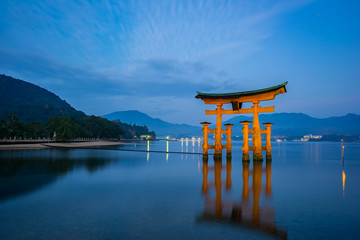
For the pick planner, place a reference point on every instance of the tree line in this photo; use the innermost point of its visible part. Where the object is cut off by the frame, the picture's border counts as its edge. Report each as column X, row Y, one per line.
column 63, row 128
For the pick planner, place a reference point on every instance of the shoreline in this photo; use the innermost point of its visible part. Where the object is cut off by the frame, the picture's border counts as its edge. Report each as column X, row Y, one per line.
column 30, row 146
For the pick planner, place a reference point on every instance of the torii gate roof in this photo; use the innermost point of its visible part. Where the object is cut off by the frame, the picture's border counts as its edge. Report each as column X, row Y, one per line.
column 236, row 95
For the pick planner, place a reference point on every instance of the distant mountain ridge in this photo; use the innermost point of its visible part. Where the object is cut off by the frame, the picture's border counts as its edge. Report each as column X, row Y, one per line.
column 160, row 127
column 285, row 124
column 298, row 124
column 31, row 102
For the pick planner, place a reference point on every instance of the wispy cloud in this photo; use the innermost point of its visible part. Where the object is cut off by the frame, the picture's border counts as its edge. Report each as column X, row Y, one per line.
column 136, row 49
column 188, row 30
column 105, row 34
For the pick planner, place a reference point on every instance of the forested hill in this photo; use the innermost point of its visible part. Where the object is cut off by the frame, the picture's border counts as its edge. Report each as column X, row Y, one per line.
column 31, row 102
column 29, row 111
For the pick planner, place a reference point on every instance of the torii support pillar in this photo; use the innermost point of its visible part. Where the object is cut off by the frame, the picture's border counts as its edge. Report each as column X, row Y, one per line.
column 218, row 131
column 245, row 147
column 205, row 145
column 268, row 140
column 256, row 134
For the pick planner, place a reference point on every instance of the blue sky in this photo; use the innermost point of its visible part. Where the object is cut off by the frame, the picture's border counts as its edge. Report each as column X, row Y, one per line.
column 152, row 56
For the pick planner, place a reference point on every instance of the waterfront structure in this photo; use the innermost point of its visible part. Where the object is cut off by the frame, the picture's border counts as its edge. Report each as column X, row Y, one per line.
column 236, row 100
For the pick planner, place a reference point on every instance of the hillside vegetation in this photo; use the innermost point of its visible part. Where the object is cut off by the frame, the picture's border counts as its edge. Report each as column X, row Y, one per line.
column 31, row 102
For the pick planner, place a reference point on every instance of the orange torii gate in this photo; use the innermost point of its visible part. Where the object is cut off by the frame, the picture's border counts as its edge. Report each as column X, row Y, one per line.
column 236, row 99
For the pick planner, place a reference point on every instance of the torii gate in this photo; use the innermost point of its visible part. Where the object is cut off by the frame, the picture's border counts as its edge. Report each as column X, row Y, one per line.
column 236, row 99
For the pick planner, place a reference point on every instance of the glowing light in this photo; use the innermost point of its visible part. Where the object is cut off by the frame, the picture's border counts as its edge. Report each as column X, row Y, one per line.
column 148, row 148
column 343, row 179
column 167, row 150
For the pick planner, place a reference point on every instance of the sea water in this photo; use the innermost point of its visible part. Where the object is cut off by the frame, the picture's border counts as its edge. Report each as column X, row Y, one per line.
column 308, row 191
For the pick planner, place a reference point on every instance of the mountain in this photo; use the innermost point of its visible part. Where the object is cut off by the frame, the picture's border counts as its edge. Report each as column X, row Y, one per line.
column 285, row 124
column 299, row 124
column 30, row 102
column 160, row 127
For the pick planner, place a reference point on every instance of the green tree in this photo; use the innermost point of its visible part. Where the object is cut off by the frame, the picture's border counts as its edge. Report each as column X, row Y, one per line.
column 3, row 129
column 98, row 127
column 64, row 127
column 14, row 126
column 93, row 126
column 34, row 129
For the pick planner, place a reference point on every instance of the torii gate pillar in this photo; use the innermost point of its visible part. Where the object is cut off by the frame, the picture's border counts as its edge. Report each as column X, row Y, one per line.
column 256, row 131
column 218, row 146
column 268, row 140
column 245, row 147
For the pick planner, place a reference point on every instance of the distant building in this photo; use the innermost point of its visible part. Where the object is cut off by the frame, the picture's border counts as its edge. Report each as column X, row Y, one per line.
column 146, row 137
column 310, row 136
column 316, row 136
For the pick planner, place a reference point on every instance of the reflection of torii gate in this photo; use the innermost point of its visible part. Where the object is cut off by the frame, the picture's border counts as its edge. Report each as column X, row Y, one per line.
column 236, row 99
column 253, row 215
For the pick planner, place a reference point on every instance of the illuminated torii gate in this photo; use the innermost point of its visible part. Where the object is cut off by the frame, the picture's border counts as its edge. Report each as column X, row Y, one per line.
column 236, row 99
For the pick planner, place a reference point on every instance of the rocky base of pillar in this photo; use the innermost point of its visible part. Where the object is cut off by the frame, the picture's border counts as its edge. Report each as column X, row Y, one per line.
column 246, row 157
column 268, row 157
column 205, row 157
column 258, row 157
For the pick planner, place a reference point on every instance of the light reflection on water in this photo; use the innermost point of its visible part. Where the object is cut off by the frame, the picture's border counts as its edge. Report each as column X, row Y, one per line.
column 99, row 194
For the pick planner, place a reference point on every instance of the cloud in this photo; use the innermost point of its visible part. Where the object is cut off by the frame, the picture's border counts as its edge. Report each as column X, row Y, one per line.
column 198, row 30
column 110, row 36
column 141, row 51
column 168, row 68
column 147, row 78
column 50, row 73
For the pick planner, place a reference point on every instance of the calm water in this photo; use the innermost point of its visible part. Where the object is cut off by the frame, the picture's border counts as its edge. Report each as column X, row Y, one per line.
column 306, row 192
